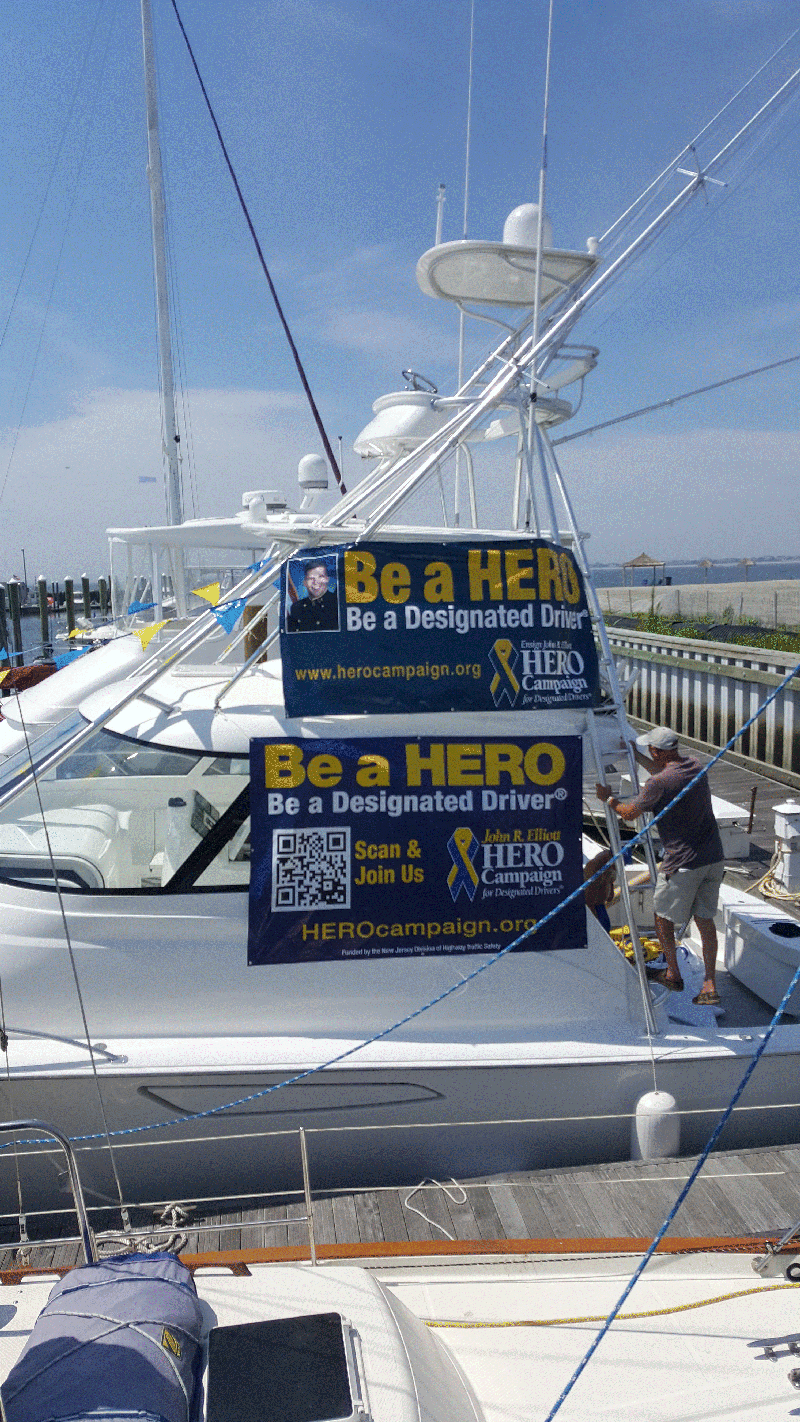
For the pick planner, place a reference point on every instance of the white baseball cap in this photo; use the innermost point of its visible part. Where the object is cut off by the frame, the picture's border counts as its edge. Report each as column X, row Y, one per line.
column 660, row 737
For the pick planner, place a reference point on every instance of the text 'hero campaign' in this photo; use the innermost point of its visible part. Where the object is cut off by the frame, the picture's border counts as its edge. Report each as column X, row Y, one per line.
column 391, row 846
column 413, row 627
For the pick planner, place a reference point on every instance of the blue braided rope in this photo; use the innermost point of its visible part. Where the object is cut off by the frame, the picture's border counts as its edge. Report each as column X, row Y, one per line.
column 712, row 1140
column 442, row 996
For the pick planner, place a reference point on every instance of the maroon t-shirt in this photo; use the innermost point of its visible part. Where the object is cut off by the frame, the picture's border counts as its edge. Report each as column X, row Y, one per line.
column 689, row 832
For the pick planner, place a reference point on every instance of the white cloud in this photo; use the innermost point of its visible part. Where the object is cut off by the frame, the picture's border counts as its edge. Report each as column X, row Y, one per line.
column 72, row 478
column 711, row 493
column 376, row 333
column 690, row 494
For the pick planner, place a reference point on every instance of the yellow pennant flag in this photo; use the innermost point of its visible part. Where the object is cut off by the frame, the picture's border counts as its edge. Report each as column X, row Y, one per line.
column 210, row 593
column 146, row 634
column 3, row 675
column 77, row 632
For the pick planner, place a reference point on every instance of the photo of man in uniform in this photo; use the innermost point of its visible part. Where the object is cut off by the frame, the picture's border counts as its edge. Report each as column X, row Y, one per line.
column 317, row 608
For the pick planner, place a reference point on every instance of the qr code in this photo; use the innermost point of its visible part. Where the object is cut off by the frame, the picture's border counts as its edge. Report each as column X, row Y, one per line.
column 310, row 869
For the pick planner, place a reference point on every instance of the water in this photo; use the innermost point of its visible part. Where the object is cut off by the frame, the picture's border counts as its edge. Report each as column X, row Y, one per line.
column 609, row 575
column 606, row 575
column 32, row 637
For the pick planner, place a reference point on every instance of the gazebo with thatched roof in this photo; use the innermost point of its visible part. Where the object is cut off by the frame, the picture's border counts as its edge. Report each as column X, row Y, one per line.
column 635, row 564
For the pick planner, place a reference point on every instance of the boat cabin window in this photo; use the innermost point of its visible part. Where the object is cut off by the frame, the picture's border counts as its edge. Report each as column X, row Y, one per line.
column 120, row 815
column 107, row 754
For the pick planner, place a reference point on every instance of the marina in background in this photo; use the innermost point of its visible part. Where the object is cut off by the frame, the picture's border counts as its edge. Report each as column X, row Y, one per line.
column 722, row 570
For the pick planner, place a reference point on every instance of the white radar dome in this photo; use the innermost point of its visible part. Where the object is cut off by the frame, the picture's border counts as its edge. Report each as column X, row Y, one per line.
column 312, row 472
column 521, row 227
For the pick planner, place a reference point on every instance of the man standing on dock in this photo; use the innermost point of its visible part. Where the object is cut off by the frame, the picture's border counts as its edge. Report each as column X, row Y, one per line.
column 693, row 866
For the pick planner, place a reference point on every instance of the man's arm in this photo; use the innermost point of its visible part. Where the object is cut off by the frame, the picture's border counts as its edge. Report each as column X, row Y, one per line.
column 626, row 809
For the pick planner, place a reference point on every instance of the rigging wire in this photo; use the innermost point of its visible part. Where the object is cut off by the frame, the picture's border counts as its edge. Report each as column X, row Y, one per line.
column 12, row 1111
column 185, row 452
column 712, row 1141
column 262, row 260
column 516, row 944
column 57, row 270
column 461, row 313
column 53, row 169
column 676, row 399
column 737, row 177
column 665, row 173
column 106, row 1133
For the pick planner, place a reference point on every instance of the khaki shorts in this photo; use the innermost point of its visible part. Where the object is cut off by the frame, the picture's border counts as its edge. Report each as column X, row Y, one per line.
column 689, row 893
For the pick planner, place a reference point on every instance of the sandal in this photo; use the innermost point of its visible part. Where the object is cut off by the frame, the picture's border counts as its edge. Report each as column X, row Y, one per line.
column 707, row 998
column 660, row 976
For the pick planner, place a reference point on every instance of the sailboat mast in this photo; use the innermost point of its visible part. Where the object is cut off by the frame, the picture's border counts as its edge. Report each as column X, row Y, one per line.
column 157, row 208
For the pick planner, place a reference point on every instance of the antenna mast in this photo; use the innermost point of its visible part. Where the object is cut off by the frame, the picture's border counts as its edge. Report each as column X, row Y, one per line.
column 157, row 208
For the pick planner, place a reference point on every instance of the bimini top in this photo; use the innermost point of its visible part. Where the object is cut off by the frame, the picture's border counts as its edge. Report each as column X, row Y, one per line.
column 504, row 273
column 498, row 274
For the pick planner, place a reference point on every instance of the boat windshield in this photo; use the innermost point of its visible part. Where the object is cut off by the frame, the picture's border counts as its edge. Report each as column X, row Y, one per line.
column 122, row 815
column 14, row 767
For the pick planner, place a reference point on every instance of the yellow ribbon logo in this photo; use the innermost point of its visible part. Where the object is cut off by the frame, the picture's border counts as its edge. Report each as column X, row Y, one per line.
column 463, row 847
column 503, row 657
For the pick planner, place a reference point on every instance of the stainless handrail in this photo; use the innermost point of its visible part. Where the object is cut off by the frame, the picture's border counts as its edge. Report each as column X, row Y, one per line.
column 87, row 1237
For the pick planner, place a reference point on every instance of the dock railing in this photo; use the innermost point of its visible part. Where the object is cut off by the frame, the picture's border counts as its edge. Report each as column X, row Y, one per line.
column 174, row 1224
column 706, row 690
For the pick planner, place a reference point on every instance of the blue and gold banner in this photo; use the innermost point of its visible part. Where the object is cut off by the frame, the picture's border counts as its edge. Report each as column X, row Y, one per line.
column 384, row 627
column 405, row 847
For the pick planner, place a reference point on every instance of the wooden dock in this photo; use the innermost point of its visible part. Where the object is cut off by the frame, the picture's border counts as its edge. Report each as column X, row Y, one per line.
column 742, row 1199
column 753, row 1194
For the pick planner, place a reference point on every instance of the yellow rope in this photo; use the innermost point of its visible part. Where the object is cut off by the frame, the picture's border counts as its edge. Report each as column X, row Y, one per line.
column 622, row 938
column 769, row 887
column 601, row 1317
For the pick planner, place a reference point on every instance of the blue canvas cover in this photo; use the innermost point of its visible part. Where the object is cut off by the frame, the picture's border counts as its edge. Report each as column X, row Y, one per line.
column 121, row 1338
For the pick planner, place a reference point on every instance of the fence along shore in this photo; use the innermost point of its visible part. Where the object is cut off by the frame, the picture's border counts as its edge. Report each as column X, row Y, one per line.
column 703, row 689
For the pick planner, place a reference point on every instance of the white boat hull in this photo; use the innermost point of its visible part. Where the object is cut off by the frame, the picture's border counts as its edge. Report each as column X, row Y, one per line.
column 394, row 1114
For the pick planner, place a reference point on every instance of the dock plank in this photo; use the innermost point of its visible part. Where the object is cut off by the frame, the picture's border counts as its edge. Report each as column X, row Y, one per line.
column 411, row 1202
column 465, row 1225
column 537, row 1224
column 435, row 1202
column 275, row 1233
column 751, row 1197
column 603, row 1205
column 508, row 1211
column 392, row 1217
column 345, row 1220
column 558, row 1209
column 324, row 1226
column 393, row 1220
column 368, row 1214
column 486, row 1216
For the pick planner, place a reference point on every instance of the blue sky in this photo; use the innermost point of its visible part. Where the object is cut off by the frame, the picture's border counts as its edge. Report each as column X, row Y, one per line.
column 342, row 118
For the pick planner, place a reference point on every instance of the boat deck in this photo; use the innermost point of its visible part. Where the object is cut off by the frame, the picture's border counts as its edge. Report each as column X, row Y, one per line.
column 747, row 1196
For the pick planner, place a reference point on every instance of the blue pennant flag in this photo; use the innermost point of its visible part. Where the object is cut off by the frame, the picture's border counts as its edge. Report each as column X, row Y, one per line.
column 3, row 654
column 141, row 606
column 228, row 613
column 256, row 567
column 64, row 658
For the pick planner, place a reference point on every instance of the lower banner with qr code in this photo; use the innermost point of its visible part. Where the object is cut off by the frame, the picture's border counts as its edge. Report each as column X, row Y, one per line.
column 397, row 846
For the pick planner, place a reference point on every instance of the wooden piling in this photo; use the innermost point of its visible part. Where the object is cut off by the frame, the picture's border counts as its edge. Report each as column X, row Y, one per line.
column 69, row 602
column 3, row 623
column 14, row 607
column 44, row 618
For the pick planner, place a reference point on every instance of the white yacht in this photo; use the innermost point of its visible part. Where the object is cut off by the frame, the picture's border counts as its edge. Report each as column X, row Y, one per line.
column 313, row 856
column 342, row 885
